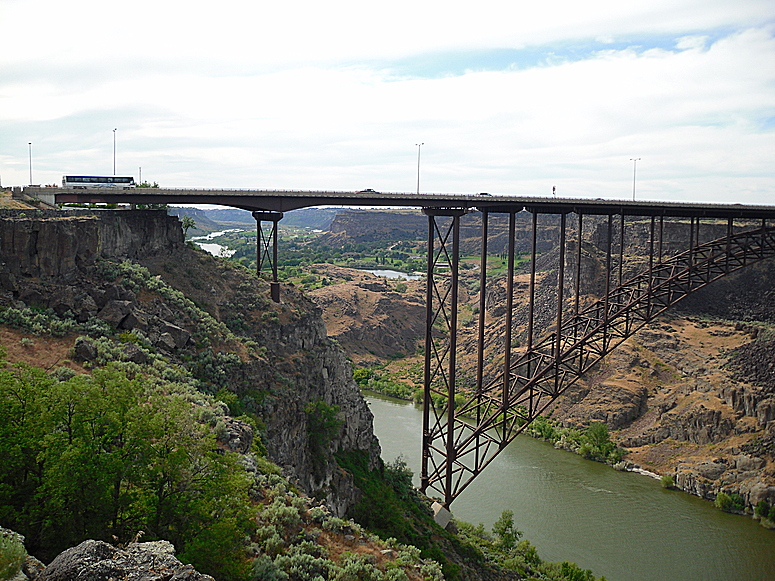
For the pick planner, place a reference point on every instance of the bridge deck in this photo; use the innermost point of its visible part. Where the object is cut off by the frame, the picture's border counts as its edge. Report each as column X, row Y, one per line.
column 286, row 200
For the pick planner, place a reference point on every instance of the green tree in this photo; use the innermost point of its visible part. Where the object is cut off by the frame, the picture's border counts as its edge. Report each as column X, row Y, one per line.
column 323, row 425
column 596, row 444
column 505, row 531
column 107, row 455
column 186, row 223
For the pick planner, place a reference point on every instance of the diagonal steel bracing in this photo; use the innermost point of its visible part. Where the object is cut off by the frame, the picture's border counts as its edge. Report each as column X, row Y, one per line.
column 461, row 438
column 441, row 321
column 266, row 247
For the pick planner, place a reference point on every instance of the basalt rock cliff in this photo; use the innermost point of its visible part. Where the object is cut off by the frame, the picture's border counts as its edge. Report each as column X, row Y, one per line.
column 219, row 321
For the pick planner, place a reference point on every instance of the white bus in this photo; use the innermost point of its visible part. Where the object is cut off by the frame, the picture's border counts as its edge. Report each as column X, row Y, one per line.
column 84, row 182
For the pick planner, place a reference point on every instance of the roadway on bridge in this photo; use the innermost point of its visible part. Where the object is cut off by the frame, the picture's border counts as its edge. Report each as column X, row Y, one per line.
column 287, row 200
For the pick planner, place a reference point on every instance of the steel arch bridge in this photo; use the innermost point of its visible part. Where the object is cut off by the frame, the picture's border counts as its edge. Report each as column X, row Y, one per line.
column 459, row 441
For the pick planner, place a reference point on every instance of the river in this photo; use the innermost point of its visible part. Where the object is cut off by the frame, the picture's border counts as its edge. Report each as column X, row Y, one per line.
column 213, row 248
column 621, row 525
column 394, row 274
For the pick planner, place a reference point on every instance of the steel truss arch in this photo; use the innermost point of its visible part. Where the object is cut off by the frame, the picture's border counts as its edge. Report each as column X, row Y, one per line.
column 464, row 438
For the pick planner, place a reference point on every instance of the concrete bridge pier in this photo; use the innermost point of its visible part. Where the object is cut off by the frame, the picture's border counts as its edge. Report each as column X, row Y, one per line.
column 265, row 239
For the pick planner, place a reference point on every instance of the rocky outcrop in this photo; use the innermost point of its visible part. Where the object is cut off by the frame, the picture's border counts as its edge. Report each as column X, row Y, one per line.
column 368, row 318
column 746, row 295
column 51, row 243
column 99, row 561
column 697, row 425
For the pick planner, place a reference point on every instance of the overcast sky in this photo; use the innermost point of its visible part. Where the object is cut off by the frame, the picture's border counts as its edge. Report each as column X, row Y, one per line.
column 508, row 97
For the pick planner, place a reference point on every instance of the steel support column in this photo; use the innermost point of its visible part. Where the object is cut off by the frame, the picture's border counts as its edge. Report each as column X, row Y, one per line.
column 482, row 319
column 263, row 242
column 509, row 319
column 441, row 344
column 560, row 292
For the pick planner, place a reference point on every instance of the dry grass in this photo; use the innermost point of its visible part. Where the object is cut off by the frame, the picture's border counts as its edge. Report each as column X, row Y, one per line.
column 44, row 352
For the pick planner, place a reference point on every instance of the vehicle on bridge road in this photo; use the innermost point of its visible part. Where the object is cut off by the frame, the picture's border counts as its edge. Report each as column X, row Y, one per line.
column 89, row 182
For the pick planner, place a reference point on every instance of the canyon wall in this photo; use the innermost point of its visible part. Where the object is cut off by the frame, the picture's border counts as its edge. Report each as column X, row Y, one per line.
column 282, row 361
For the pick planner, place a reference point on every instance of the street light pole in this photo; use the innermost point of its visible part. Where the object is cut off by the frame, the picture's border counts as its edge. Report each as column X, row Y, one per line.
column 634, row 161
column 419, row 145
column 30, row 146
column 114, row 152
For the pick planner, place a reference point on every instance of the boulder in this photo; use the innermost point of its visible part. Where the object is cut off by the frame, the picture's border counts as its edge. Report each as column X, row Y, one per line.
column 136, row 319
column 115, row 311
column 32, row 568
column 744, row 463
column 711, row 470
column 238, row 436
column 134, row 354
column 99, row 561
column 166, row 342
column 79, row 303
column 8, row 282
column 179, row 335
column 84, row 349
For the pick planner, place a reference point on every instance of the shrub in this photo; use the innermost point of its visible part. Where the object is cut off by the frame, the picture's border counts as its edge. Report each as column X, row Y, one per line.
column 62, row 373
column 544, row 429
column 399, row 477
column 357, row 568
column 763, row 509
column 12, row 553
column 729, row 502
column 281, row 515
column 505, row 531
column 298, row 563
column 264, row 569
column 595, row 444
column 667, row 481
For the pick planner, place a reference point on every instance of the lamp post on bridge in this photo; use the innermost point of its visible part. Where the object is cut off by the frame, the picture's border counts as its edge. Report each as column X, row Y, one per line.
column 114, row 151
column 29, row 144
column 634, row 161
column 419, row 145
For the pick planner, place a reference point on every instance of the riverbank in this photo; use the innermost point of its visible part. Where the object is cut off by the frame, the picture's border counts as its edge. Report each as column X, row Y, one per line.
column 591, row 443
column 617, row 524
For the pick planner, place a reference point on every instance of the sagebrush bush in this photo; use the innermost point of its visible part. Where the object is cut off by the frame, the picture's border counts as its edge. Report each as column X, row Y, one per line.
column 281, row 515
column 12, row 554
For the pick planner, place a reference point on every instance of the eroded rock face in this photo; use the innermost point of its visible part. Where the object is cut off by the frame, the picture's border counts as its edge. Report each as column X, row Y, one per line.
column 325, row 375
column 99, row 561
column 238, row 435
column 59, row 243
column 48, row 261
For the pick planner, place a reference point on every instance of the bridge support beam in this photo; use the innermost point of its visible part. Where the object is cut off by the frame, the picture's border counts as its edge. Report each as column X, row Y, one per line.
column 264, row 240
column 441, row 341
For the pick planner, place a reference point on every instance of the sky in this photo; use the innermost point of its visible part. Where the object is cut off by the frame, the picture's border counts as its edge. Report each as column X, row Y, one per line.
column 674, row 97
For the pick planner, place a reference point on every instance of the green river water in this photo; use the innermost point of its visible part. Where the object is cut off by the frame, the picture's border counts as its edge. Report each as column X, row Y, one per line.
column 621, row 525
